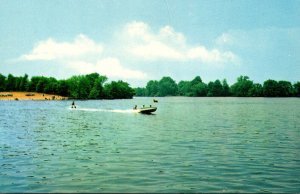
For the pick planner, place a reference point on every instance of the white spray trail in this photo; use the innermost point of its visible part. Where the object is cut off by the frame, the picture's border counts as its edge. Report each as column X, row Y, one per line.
column 106, row 110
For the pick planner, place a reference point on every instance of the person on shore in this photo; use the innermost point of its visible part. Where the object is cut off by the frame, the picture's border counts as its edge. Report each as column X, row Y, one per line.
column 73, row 105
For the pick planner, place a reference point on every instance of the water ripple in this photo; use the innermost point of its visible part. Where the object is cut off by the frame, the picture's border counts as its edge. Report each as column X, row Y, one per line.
column 190, row 145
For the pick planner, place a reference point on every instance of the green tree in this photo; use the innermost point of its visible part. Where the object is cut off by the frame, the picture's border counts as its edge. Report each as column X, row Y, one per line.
column 152, row 88
column 50, row 86
column 33, row 83
column 40, row 87
column 62, row 88
column 78, row 87
column 94, row 93
column 10, row 82
column 297, row 89
column 285, row 89
column 215, row 88
column 256, row 90
column 225, row 88
column 23, row 83
column 118, row 90
column 140, row 91
column 184, row 88
column 2, row 82
column 196, row 80
column 270, row 88
column 100, row 81
column 17, row 83
column 242, row 87
column 199, row 89
column 167, row 87
column 91, row 86
column 97, row 90
column 91, row 78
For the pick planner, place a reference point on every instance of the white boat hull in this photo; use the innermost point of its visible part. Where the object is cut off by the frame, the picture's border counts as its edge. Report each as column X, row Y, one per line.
column 147, row 110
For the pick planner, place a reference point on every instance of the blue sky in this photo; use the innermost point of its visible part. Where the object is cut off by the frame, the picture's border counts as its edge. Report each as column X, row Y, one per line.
column 140, row 40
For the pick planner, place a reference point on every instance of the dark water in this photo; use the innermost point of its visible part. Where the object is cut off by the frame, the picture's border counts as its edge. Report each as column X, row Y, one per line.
column 189, row 145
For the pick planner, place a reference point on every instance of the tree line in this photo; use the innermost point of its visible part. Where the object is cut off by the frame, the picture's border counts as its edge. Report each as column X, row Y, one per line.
column 90, row 86
column 243, row 87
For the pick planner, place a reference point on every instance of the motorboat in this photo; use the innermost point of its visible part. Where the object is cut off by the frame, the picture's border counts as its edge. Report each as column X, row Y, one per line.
column 146, row 110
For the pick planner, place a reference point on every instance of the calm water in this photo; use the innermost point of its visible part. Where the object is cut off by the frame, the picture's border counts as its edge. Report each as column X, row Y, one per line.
column 189, row 145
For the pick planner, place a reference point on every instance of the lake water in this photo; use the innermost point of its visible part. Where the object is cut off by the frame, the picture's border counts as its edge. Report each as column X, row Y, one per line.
column 188, row 145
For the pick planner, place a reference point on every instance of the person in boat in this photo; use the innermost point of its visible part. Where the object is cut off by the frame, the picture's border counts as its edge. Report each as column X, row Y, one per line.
column 73, row 105
column 155, row 101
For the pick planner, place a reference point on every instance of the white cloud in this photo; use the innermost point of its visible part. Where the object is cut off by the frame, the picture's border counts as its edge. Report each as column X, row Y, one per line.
column 134, row 42
column 167, row 44
column 156, row 50
column 210, row 56
column 110, row 67
column 50, row 49
column 76, row 55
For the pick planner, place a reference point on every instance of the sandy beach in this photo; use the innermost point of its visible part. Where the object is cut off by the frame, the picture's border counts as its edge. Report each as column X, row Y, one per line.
column 29, row 96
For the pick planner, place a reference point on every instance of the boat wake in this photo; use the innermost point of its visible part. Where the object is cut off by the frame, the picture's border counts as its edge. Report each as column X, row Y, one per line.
column 106, row 110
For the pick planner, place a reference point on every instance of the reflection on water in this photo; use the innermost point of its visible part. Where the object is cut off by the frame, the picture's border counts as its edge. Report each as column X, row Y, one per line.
column 189, row 145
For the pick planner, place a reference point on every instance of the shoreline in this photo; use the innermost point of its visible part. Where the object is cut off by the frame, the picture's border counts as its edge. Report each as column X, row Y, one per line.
column 30, row 96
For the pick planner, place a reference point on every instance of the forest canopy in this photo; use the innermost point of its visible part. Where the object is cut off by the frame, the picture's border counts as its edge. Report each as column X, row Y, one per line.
column 243, row 87
column 95, row 86
column 90, row 86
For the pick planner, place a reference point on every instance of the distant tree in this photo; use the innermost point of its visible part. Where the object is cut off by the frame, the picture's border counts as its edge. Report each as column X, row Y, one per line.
column 199, row 89
column 215, row 88
column 184, row 88
column 92, row 86
column 62, row 88
column 285, row 89
column 297, row 89
column 118, row 90
column 225, row 88
column 196, row 80
column 10, row 83
column 140, row 91
column 210, row 88
column 42, row 83
column 2, row 82
column 256, row 90
column 33, row 83
column 97, row 90
column 91, row 78
column 49, row 85
column 242, row 87
column 167, row 87
column 23, row 83
column 17, row 83
column 100, row 85
column 94, row 93
column 270, row 88
column 152, row 88
column 77, row 87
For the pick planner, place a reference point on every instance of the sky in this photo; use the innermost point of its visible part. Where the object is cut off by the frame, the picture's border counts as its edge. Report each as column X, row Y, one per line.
column 140, row 40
